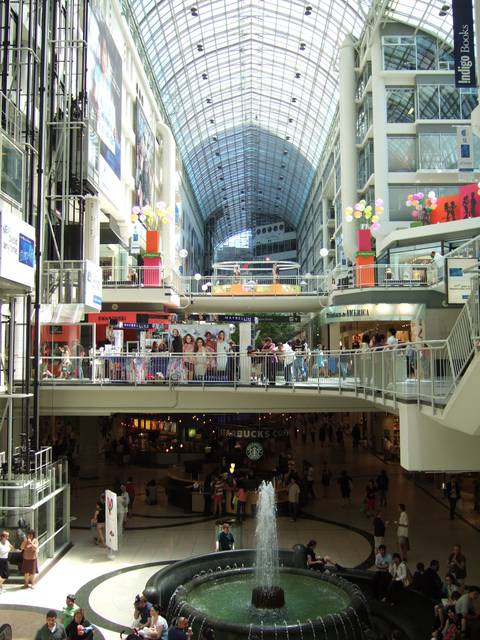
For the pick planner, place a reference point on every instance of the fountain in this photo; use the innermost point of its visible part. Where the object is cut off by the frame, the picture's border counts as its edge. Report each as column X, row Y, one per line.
column 267, row 594
column 263, row 601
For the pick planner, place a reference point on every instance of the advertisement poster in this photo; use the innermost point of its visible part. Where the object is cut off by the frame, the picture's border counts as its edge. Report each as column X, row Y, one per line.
column 104, row 81
column 459, row 275
column 93, row 285
column 204, row 347
column 144, row 159
column 17, row 249
column 111, row 527
column 465, row 149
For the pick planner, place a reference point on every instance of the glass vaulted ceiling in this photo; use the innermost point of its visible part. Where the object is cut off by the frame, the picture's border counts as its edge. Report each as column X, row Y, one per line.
column 250, row 88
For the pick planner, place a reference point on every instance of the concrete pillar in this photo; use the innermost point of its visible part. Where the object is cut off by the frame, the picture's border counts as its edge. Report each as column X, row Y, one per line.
column 169, row 177
column 426, row 445
column 245, row 339
column 325, row 232
column 379, row 114
column 88, row 447
column 91, row 230
column 348, row 151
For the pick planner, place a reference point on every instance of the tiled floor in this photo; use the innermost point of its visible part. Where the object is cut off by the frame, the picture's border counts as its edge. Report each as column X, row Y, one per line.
column 154, row 538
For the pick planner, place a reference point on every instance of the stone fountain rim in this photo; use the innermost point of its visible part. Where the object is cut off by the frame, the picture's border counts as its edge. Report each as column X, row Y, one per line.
column 355, row 594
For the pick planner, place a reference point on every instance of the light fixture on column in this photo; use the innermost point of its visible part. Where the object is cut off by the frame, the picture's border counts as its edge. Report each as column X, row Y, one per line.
column 198, row 276
column 324, row 252
column 183, row 253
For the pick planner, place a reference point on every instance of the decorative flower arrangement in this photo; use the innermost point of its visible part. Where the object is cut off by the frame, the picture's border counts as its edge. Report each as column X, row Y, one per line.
column 423, row 205
column 150, row 217
column 368, row 215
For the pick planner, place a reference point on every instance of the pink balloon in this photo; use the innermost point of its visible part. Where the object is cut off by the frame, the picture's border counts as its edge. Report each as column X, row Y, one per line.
column 415, row 214
column 375, row 226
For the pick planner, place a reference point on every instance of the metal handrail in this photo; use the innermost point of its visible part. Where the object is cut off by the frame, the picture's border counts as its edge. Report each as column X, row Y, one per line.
column 389, row 371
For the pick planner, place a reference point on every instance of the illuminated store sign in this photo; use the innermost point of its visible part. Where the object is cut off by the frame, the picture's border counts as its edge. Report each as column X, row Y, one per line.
column 17, row 249
column 378, row 312
column 463, row 43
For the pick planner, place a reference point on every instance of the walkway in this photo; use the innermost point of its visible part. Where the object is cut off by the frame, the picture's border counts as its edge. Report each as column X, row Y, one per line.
column 109, row 586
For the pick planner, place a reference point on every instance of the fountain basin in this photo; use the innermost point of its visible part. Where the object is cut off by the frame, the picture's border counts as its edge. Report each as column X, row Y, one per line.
column 268, row 597
column 316, row 606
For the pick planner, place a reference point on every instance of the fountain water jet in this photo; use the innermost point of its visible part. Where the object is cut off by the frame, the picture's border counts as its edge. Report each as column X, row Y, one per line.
column 267, row 594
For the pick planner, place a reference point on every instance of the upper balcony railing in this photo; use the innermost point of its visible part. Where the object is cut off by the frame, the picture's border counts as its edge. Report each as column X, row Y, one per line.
column 361, row 277
column 63, row 282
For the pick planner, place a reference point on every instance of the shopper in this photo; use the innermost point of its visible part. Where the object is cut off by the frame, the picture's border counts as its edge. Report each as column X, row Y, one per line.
column 68, row 610
column 30, row 559
column 158, row 628
column 402, row 532
column 293, row 498
column 326, row 477
column 80, row 628
column 399, row 574
column 181, row 631
column 225, row 539
column 379, row 527
column 51, row 630
column 131, row 489
column 382, row 577
column 5, row 549
column 452, row 491
column 382, row 487
column 141, row 612
column 457, row 565
column 98, row 520
column 345, row 484
column 465, row 606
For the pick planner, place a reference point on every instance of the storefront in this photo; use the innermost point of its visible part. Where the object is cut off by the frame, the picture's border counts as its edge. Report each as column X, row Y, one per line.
column 349, row 325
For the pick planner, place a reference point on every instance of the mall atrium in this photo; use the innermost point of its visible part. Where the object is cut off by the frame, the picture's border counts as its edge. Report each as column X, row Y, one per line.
column 240, row 242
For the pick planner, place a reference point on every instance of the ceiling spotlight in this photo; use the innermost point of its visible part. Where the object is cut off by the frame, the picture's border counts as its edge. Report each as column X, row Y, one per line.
column 444, row 10
column 194, row 11
column 303, row 46
column 308, row 10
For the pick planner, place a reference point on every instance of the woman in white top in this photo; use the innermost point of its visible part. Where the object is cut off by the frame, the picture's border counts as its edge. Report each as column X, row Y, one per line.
column 222, row 349
column 402, row 532
column 5, row 548
column 399, row 574
column 158, row 629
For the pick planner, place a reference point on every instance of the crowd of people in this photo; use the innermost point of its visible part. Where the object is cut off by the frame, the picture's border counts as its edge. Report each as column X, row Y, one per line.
column 456, row 615
column 70, row 623
column 215, row 357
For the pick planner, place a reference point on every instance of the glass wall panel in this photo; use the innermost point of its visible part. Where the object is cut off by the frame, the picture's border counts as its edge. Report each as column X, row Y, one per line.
column 426, row 53
column 402, row 153
column 468, row 102
column 400, row 105
column 437, row 150
column 449, row 102
column 11, row 170
column 428, row 108
column 399, row 53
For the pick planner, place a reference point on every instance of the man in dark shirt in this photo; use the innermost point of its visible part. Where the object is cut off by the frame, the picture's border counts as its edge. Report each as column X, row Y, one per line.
column 432, row 583
column 378, row 530
column 181, row 631
column 452, row 490
column 225, row 540
column 52, row 630
column 382, row 486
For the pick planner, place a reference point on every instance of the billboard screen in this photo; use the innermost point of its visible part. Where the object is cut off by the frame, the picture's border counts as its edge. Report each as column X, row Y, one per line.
column 144, row 159
column 104, row 81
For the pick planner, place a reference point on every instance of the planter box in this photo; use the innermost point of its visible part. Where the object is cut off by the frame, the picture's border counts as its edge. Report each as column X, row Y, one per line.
column 153, row 241
column 365, row 270
column 364, row 240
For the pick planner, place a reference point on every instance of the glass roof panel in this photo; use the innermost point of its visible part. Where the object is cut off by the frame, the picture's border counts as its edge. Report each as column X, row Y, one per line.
column 250, row 88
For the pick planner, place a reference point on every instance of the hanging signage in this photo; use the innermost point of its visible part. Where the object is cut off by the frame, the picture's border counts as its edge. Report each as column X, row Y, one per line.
column 17, row 249
column 463, row 43
column 135, row 241
column 93, row 285
column 465, row 148
column 459, row 275
column 111, row 524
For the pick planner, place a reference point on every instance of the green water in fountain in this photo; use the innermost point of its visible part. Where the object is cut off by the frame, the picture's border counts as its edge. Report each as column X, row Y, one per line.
column 229, row 599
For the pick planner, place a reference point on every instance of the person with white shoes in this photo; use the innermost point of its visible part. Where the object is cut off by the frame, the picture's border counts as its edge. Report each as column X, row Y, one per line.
column 5, row 549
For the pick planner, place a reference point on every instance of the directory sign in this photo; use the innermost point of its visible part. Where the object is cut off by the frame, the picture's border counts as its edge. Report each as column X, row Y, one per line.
column 459, row 276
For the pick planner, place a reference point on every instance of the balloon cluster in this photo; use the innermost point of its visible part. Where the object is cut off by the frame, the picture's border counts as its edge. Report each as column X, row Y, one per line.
column 152, row 217
column 423, row 205
column 367, row 215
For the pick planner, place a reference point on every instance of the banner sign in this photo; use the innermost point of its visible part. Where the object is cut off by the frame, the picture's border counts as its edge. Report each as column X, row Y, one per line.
column 463, row 43
column 17, row 249
column 93, row 285
column 460, row 272
column 111, row 525
column 465, row 148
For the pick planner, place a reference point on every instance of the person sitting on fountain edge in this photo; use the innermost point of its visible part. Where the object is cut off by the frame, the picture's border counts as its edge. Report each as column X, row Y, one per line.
column 225, row 540
column 181, row 631
column 318, row 563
